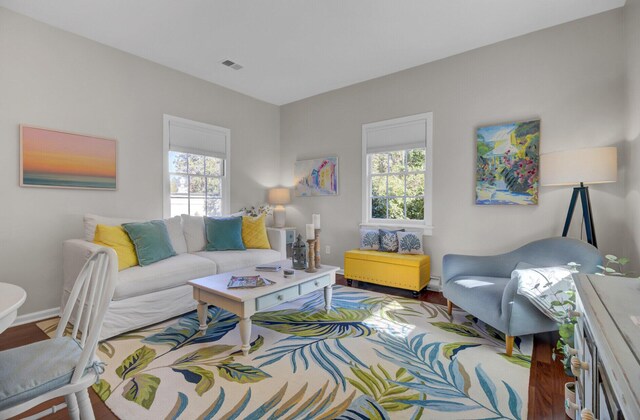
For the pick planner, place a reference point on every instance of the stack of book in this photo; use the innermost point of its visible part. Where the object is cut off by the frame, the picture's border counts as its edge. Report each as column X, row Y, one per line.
column 248, row 282
column 274, row 267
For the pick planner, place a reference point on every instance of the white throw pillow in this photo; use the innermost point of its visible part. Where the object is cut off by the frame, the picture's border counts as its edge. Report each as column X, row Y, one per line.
column 93, row 220
column 543, row 287
column 176, row 234
column 369, row 239
column 409, row 243
column 194, row 233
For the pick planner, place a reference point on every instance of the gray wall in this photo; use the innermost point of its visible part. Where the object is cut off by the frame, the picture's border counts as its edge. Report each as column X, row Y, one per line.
column 632, row 155
column 571, row 76
column 51, row 78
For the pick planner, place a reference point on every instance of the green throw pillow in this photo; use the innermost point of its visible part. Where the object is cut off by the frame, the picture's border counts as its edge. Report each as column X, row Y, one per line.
column 224, row 233
column 151, row 240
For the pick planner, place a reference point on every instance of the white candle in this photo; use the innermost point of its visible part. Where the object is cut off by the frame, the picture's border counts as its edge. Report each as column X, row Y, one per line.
column 311, row 233
column 316, row 221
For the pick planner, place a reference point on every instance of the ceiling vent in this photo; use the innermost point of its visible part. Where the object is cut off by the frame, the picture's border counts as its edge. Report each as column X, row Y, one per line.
column 231, row 64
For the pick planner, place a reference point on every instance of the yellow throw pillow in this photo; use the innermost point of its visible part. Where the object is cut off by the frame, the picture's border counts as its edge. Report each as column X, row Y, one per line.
column 254, row 232
column 116, row 237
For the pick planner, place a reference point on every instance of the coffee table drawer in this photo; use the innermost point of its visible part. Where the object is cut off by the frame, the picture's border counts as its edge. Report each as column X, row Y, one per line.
column 314, row 284
column 276, row 298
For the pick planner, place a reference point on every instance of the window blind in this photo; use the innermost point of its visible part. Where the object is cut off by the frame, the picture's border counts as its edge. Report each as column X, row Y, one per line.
column 397, row 137
column 197, row 140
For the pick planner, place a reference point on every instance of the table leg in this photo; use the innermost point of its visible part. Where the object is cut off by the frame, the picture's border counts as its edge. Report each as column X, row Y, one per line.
column 202, row 315
column 328, row 294
column 245, row 335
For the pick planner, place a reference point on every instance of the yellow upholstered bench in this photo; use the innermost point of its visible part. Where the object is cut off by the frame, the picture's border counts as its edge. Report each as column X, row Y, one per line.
column 405, row 271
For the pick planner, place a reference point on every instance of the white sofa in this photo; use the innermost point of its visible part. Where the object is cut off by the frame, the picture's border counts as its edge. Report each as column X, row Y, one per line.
column 154, row 293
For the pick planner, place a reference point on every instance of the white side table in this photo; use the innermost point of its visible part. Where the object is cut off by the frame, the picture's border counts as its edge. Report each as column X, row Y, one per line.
column 290, row 235
column 11, row 298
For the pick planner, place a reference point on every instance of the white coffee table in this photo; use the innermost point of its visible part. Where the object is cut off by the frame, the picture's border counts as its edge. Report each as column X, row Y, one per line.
column 212, row 290
column 11, row 298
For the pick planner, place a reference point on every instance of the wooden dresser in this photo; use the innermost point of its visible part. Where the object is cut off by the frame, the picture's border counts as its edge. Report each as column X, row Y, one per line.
column 607, row 341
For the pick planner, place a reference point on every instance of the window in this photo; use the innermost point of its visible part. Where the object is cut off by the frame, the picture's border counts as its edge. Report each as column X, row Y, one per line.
column 397, row 172
column 196, row 168
column 195, row 183
column 396, row 180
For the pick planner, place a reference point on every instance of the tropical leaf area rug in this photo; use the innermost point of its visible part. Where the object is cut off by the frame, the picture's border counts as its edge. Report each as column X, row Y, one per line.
column 373, row 356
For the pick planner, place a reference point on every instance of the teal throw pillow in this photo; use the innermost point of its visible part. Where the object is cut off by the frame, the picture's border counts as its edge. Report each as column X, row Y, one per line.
column 151, row 241
column 224, row 233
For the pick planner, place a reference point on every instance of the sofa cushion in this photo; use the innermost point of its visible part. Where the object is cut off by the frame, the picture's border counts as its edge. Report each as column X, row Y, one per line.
column 165, row 274
column 545, row 288
column 176, row 234
column 232, row 260
column 194, row 232
column 35, row 369
column 389, row 240
column 116, row 237
column 410, row 243
column 467, row 291
column 224, row 234
column 151, row 240
column 369, row 239
column 254, row 232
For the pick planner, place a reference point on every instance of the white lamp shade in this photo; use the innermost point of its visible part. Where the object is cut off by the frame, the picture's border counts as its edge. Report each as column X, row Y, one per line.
column 279, row 196
column 598, row 165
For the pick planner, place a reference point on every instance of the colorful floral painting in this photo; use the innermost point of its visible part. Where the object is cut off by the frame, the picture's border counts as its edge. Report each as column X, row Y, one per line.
column 507, row 163
column 316, row 177
column 56, row 159
column 373, row 356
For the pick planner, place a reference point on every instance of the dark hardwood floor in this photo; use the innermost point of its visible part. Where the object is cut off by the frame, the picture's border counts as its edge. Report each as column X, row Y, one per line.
column 546, row 383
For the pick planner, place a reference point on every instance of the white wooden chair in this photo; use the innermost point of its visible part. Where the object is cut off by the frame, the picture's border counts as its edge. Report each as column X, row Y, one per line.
column 64, row 365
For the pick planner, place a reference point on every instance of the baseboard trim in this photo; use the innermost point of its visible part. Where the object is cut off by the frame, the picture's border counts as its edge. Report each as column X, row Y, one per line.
column 36, row 316
column 435, row 284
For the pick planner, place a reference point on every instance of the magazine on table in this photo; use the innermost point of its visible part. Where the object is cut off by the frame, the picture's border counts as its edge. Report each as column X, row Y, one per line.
column 248, row 282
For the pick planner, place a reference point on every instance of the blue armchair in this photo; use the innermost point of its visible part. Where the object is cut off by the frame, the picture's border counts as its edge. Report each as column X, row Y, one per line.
column 483, row 286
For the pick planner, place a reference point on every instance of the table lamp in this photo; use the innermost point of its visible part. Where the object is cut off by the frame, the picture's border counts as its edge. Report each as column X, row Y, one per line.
column 598, row 165
column 279, row 196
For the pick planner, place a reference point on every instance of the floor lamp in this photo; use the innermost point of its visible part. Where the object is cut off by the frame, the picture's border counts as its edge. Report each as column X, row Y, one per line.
column 580, row 168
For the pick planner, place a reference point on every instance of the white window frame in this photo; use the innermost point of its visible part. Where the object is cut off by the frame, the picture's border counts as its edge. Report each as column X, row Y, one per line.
column 226, row 179
column 426, row 225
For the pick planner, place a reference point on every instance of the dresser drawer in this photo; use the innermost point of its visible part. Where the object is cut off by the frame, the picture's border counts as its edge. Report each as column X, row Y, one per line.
column 315, row 284
column 276, row 298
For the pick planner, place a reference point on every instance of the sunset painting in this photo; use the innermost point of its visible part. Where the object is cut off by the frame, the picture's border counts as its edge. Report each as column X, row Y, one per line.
column 57, row 159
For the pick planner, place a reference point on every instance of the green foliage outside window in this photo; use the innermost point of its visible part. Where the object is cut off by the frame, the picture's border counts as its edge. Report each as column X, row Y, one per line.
column 397, row 184
column 195, row 183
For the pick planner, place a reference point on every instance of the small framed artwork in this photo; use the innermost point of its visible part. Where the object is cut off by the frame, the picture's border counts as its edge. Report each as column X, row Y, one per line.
column 58, row 159
column 507, row 163
column 316, row 177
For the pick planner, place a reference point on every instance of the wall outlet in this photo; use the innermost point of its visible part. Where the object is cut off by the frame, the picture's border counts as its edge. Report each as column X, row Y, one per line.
column 327, row 249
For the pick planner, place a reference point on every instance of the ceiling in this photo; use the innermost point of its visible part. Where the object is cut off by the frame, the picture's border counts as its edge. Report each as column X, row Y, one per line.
column 293, row 49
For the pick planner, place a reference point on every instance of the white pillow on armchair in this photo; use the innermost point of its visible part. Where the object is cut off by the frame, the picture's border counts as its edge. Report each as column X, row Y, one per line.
column 545, row 288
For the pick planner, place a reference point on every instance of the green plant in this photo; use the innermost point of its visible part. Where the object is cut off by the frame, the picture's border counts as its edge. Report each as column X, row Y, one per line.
column 566, row 327
column 257, row 211
column 611, row 262
column 566, row 302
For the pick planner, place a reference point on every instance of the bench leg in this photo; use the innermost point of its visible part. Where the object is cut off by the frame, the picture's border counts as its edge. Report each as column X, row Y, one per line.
column 449, row 307
column 509, row 344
